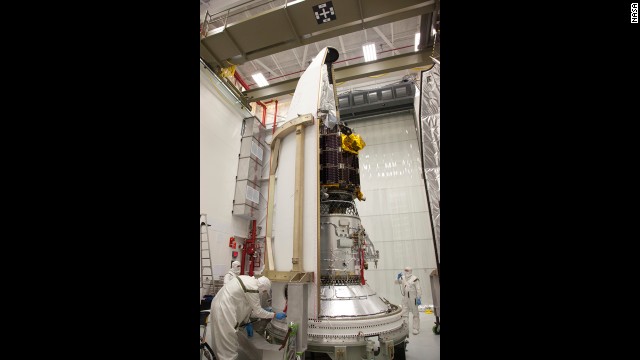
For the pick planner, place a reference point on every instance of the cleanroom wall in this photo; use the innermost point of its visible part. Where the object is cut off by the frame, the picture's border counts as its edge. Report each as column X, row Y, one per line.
column 395, row 213
column 220, row 134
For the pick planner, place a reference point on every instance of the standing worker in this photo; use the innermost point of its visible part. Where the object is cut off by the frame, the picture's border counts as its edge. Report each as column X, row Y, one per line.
column 231, row 308
column 235, row 270
column 411, row 294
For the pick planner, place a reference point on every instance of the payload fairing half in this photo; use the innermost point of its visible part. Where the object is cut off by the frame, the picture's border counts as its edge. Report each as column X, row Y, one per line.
column 317, row 250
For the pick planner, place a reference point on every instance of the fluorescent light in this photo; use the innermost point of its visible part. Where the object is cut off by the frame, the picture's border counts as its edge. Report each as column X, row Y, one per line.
column 369, row 50
column 415, row 47
column 260, row 80
column 433, row 31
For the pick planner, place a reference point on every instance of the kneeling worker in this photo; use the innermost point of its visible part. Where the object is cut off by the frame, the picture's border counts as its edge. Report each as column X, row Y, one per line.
column 231, row 308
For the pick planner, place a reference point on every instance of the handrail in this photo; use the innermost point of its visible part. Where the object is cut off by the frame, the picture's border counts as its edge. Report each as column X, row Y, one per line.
column 227, row 13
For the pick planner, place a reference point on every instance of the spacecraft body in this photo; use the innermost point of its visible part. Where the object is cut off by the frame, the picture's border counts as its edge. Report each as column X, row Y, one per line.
column 347, row 319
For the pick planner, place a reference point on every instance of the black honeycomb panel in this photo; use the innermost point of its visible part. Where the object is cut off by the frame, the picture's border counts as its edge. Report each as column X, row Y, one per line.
column 337, row 167
column 331, row 142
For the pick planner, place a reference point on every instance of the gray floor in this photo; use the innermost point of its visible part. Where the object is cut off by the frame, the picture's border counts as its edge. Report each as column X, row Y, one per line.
column 425, row 345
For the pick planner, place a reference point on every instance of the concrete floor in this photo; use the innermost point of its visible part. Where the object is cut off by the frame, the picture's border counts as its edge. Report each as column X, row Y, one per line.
column 425, row 345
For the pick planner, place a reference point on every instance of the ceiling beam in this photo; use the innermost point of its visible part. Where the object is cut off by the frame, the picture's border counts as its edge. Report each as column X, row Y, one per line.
column 391, row 32
column 371, row 68
column 275, row 61
column 208, row 56
column 281, row 29
column 235, row 43
column 343, row 49
column 297, row 58
column 395, row 52
column 264, row 67
column 293, row 27
column 304, row 57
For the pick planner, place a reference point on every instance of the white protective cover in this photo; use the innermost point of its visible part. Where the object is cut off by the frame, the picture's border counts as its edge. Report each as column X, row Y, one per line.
column 306, row 100
column 232, row 306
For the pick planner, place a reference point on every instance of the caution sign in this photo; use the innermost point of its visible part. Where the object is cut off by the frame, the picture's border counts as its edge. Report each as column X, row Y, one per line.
column 324, row 12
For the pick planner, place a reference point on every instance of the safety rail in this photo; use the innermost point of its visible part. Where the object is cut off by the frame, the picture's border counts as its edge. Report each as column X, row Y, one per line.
column 220, row 19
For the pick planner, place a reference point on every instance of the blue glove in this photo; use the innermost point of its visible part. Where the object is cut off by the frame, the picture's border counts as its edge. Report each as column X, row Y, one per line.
column 399, row 276
column 418, row 302
column 249, row 328
column 280, row 315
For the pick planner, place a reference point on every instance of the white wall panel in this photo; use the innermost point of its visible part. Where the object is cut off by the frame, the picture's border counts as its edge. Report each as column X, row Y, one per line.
column 395, row 212
column 220, row 125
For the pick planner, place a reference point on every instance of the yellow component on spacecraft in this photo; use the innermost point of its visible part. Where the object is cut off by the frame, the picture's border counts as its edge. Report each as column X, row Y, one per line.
column 352, row 143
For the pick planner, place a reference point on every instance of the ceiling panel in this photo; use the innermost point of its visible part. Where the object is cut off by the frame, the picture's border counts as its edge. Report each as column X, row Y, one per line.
column 403, row 39
column 290, row 64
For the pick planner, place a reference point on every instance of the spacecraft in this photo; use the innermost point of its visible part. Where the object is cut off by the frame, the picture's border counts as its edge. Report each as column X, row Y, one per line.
column 316, row 248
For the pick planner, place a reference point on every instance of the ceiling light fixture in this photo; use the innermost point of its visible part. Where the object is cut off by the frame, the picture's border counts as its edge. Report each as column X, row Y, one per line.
column 260, row 80
column 369, row 50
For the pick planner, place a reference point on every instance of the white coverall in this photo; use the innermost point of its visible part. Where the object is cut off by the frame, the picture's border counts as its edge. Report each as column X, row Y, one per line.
column 235, row 270
column 230, row 308
column 410, row 291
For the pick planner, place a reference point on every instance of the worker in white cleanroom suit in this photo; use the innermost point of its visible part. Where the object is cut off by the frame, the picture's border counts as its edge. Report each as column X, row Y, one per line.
column 411, row 294
column 231, row 308
column 235, row 270
column 260, row 325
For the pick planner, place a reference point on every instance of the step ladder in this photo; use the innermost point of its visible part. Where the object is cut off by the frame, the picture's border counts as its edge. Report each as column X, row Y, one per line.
column 206, row 269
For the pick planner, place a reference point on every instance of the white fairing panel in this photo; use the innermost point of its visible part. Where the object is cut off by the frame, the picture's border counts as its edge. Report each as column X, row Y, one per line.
column 306, row 100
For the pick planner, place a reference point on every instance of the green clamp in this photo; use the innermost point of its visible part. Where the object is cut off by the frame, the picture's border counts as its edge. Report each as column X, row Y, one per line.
column 294, row 328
